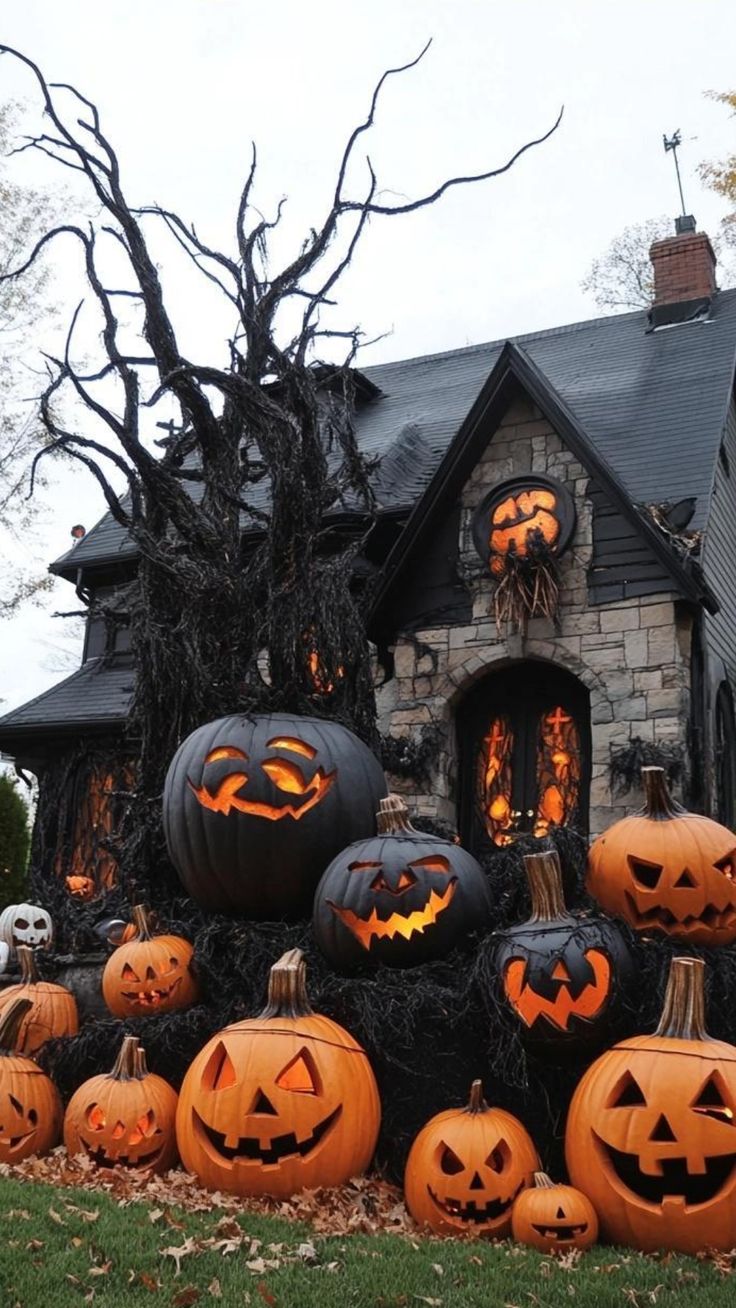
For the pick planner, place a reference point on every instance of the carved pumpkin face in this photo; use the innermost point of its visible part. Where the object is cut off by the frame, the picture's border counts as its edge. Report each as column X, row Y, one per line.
column 273, row 792
column 400, row 898
column 125, row 1118
column 26, row 924
column 80, row 887
column 517, row 518
column 466, row 1168
column 150, row 974
column 561, row 973
column 651, row 1136
column 554, row 1218
column 30, row 1107
column 279, row 1102
column 667, row 870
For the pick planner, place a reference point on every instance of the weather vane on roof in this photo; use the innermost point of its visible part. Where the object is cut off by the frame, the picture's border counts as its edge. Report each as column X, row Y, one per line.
column 671, row 143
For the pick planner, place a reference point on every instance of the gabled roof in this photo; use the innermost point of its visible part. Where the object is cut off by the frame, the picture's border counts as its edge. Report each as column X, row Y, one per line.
column 515, row 370
column 653, row 404
column 95, row 697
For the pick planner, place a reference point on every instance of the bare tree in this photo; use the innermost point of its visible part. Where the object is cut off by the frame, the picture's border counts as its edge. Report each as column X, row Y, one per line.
column 623, row 277
column 232, row 521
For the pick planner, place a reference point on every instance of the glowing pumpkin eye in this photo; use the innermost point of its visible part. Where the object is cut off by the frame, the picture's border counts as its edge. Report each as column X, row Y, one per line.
column 294, row 744
column 710, row 1103
column 118, row 1131
column 128, row 974
column 224, row 751
column 498, row 1157
column 287, row 776
column 96, row 1117
column 363, row 867
column 726, row 865
column 647, row 874
column 449, row 1162
column 219, row 1073
column 300, row 1075
column 628, row 1094
column 143, row 1127
column 17, row 1105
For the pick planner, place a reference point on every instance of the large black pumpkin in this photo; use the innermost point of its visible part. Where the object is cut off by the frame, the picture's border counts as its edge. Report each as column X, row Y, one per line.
column 399, row 898
column 561, row 973
column 255, row 808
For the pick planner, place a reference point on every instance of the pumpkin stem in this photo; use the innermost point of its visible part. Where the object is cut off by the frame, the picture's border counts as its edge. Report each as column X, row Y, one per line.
column 393, row 817
column 141, row 1066
column 125, row 1069
column 141, row 922
column 287, row 987
column 476, row 1102
column 28, row 969
column 658, row 802
column 543, row 1182
column 683, row 1013
column 544, row 875
column 10, row 1022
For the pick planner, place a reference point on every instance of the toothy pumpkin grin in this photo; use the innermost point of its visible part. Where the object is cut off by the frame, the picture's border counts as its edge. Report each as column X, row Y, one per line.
column 560, row 1232
column 474, row 1211
column 374, row 927
column 101, row 1159
column 16, row 1140
column 712, row 917
column 250, row 1149
column 675, row 1183
column 151, row 998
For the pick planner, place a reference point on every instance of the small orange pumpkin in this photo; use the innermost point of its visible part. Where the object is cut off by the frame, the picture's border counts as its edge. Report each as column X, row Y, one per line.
column 30, row 1107
column 149, row 974
column 466, row 1168
column 81, row 887
column 125, row 1117
column 554, row 1218
column 53, row 1010
column 667, row 870
column 280, row 1102
column 651, row 1131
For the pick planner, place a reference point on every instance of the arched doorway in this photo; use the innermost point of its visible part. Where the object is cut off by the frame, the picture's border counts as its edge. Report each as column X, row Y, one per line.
column 524, row 743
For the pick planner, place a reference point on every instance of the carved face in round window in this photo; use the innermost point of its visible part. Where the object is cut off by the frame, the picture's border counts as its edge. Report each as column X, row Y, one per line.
column 529, row 515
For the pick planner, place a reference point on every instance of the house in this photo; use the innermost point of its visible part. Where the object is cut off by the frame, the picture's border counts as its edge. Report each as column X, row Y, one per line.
column 556, row 545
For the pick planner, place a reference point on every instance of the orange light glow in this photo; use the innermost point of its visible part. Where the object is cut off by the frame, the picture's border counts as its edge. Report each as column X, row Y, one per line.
column 494, row 780
column 294, row 744
column 516, row 519
column 95, row 1117
column 284, row 775
column 297, row 1077
column 530, row 1005
column 366, row 930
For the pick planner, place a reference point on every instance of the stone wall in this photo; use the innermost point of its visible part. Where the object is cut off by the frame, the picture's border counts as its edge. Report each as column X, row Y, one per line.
column 633, row 656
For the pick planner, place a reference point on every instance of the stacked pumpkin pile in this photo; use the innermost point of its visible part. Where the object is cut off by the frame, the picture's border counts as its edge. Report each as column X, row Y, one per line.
column 288, row 1099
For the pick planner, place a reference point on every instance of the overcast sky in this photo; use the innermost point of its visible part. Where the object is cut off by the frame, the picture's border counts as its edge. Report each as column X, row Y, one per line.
column 184, row 85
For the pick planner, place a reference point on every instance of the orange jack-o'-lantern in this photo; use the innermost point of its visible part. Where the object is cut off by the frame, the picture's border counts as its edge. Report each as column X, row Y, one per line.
column 651, row 1131
column 149, row 974
column 255, row 808
column 30, row 1107
column 521, row 516
column 124, row 1118
column 667, row 870
column 554, row 1218
column 53, row 1010
column 281, row 1102
column 466, row 1168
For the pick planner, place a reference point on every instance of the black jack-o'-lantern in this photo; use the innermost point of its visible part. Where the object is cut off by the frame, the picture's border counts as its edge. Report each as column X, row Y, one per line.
column 255, row 808
column 400, row 898
column 466, row 1168
column 562, row 973
column 651, row 1130
column 667, row 870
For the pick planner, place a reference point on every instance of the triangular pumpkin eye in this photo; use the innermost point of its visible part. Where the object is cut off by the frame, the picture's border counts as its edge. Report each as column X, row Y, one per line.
column 128, row 974
column 711, row 1102
column 727, row 865
column 95, row 1117
column 219, row 1073
column 628, row 1094
column 300, row 1075
column 647, row 874
column 499, row 1157
column 449, row 1161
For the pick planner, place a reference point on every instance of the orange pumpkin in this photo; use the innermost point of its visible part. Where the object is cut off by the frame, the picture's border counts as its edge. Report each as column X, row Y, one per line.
column 466, row 1168
column 149, row 974
column 81, row 887
column 125, row 1117
column 554, row 1218
column 30, row 1107
column 279, row 1102
column 667, row 870
column 53, row 1010
column 651, row 1131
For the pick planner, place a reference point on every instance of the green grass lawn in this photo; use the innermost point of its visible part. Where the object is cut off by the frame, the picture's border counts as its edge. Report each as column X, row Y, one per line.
column 67, row 1247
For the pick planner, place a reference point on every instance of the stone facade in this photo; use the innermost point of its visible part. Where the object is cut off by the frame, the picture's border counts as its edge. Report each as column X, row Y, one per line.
column 633, row 656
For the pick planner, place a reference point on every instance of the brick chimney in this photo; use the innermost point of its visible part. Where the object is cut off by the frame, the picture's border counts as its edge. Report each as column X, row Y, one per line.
column 684, row 274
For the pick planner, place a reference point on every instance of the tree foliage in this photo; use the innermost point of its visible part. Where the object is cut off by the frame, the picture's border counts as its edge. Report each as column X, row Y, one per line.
column 245, row 597
column 720, row 175
column 14, row 842
column 623, row 277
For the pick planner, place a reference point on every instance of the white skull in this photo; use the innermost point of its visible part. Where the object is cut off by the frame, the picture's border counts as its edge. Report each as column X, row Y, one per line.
column 26, row 924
